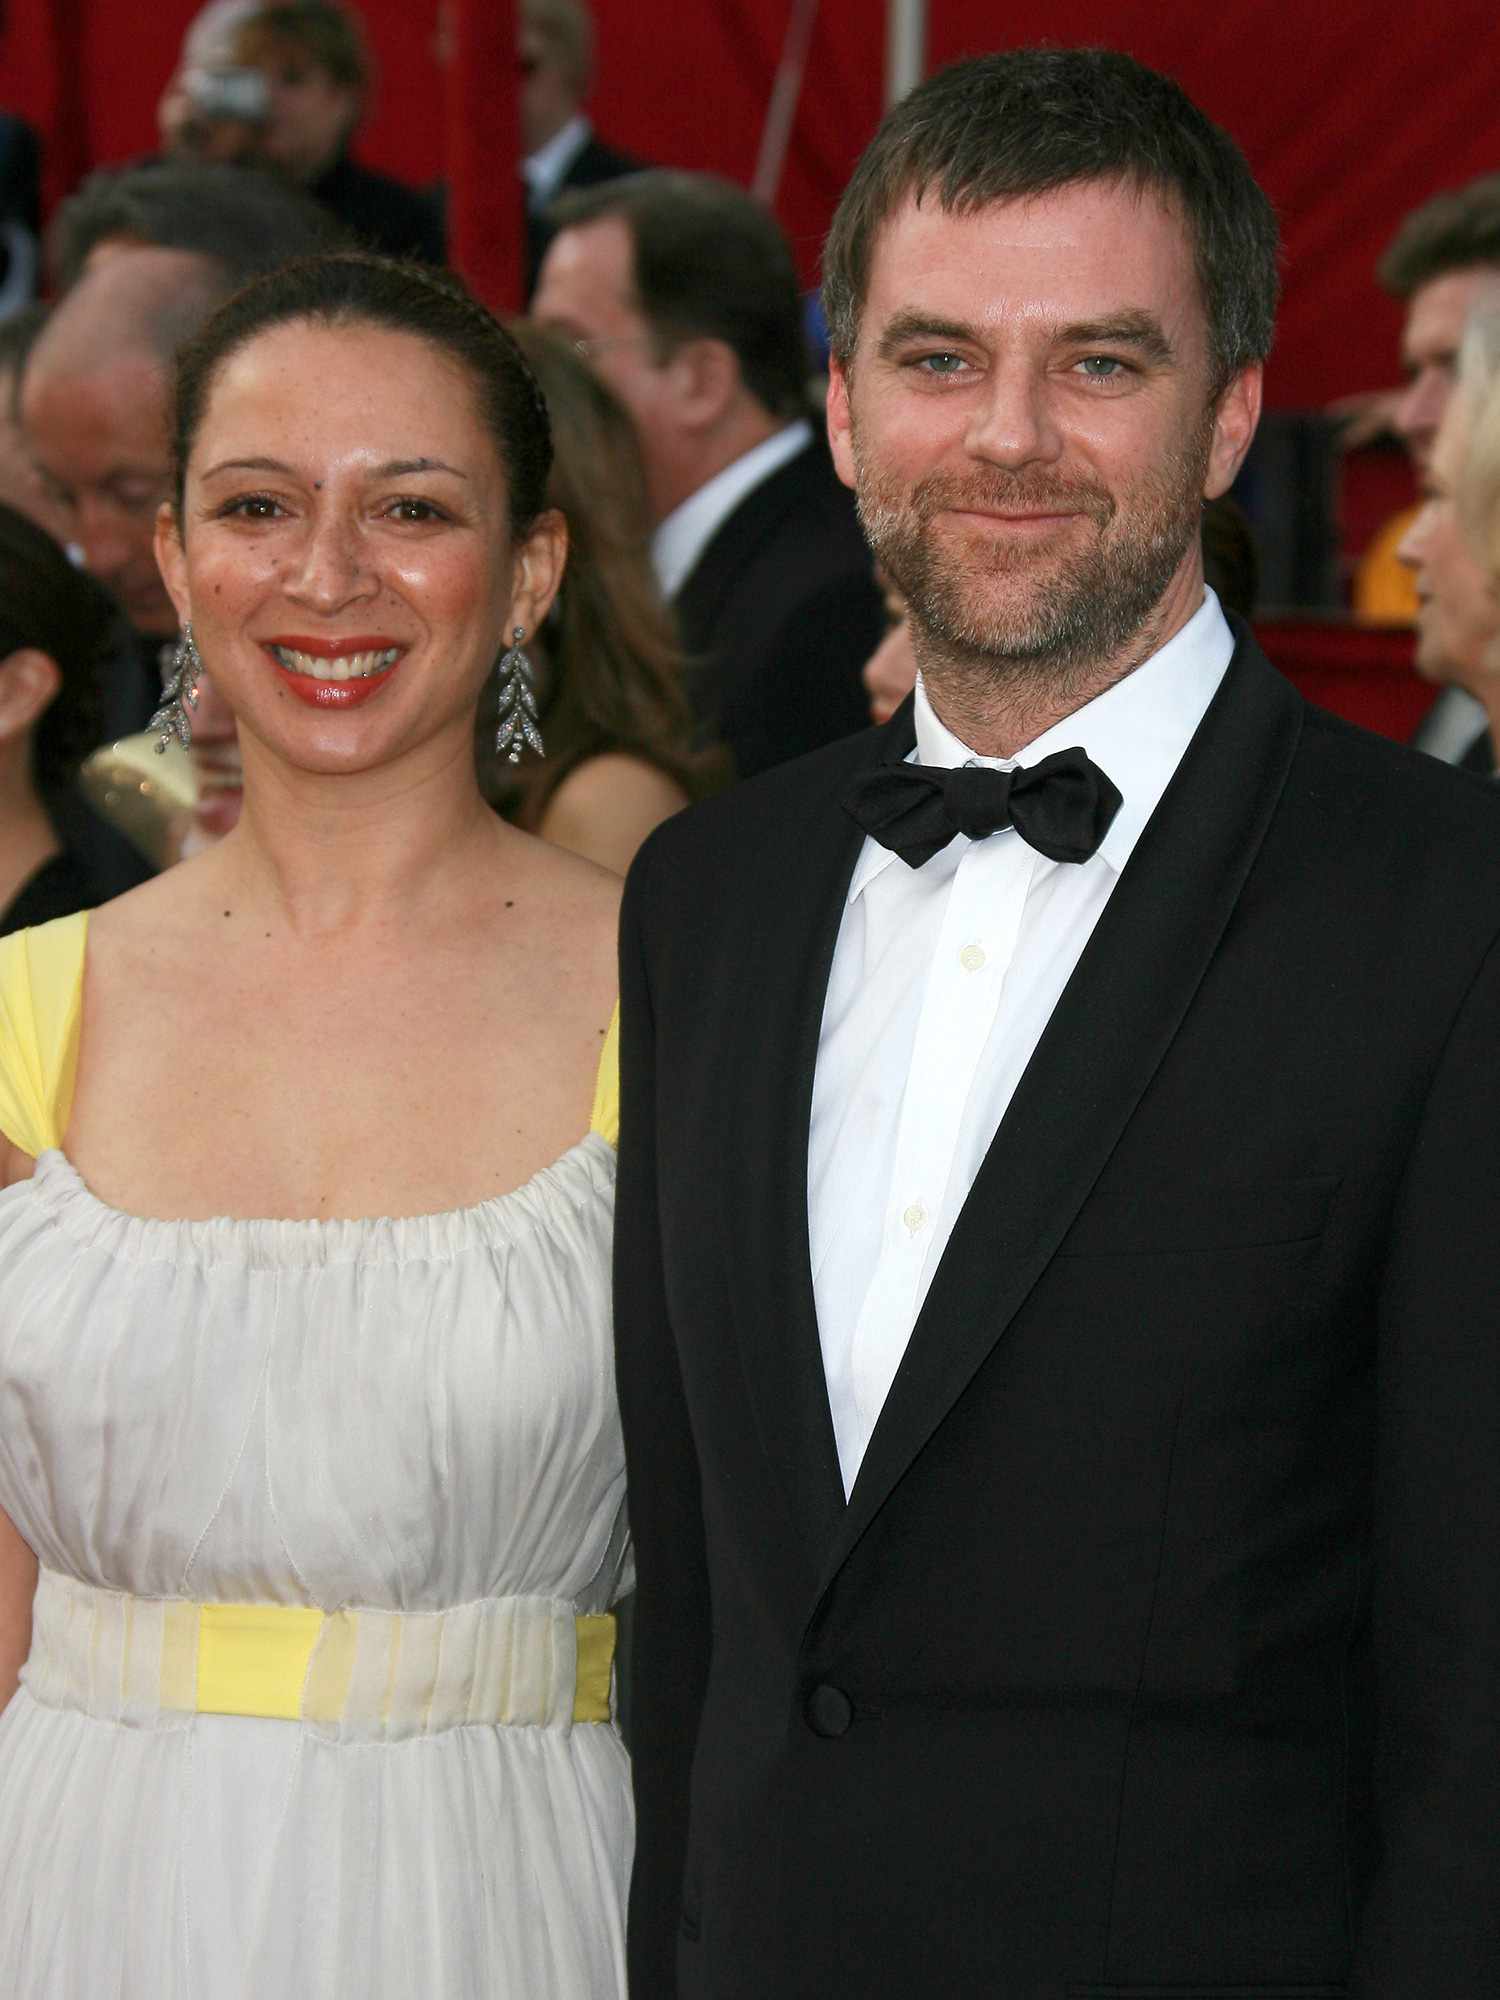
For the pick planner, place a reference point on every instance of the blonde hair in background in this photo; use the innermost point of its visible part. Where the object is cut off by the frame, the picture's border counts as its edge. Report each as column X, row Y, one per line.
column 1479, row 386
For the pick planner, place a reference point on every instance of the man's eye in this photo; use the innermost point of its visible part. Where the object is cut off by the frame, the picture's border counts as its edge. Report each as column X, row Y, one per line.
column 1101, row 367
column 941, row 364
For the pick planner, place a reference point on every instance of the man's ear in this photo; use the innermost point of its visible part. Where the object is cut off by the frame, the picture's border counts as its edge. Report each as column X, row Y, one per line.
column 171, row 561
column 840, row 420
column 706, row 380
column 29, row 684
column 1236, row 415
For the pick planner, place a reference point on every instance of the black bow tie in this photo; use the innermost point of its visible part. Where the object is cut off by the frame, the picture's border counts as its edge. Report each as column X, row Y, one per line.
column 1061, row 806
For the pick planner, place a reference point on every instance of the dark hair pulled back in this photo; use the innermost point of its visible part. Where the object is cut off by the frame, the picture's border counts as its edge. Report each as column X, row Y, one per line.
column 352, row 288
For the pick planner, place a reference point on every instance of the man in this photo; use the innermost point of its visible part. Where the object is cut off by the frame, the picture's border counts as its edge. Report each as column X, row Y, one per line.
column 682, row 293
column 318, row 75
column 1060, row 1422
column 1444, row 255
column 146, row 255
column 1458, row 617
column 563, row 152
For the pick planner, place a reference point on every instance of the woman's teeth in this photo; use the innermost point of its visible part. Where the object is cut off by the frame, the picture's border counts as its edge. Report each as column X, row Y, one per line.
column 347, row 667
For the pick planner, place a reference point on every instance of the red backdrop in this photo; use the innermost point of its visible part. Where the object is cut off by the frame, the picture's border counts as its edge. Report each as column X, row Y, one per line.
column 1349, row 113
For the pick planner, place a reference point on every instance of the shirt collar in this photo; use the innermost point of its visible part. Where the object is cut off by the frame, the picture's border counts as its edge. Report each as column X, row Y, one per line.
column 687, row 531
column 544, row 169
column 1135, row 731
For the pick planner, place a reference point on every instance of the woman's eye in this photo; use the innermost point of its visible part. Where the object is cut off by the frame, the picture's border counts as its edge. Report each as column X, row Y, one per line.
column 253, row 507
column 415, row 511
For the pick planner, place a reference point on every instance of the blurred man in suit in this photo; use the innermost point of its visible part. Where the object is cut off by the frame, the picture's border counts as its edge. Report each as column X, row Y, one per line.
column 1443, row 256
column 555, row 46
column 682, row 292
column 1060, row 1412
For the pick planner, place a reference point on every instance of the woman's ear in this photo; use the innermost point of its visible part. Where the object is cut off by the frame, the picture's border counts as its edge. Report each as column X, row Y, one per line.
column 29, row 684
column 172, row 561
column 537, row 571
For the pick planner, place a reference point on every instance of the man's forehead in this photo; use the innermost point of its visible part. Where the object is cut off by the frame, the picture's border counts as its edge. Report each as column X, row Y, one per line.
column 1437, row 311
column 1085, row 239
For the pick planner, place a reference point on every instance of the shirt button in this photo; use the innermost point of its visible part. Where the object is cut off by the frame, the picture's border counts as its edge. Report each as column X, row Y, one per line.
column 914, row 1217
column 971, row 957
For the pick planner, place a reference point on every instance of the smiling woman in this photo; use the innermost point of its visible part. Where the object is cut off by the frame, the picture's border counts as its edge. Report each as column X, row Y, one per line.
column 319, row 1454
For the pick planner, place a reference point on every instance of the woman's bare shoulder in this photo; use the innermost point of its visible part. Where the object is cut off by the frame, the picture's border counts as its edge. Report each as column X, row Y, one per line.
column 606, row 807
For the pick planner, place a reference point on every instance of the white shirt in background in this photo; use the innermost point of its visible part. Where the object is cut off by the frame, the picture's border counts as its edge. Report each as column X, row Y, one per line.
column 688, row 529
column 943, row 980
column 544, row 169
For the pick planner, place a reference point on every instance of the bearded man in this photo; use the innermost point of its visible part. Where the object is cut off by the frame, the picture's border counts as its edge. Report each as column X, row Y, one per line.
column 1061, row 1422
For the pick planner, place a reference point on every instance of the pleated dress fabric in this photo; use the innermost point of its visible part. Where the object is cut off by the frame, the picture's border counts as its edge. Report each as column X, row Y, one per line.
column 414, row 1417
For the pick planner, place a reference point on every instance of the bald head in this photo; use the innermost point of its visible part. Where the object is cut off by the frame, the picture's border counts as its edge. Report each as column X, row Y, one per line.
column 94, row 407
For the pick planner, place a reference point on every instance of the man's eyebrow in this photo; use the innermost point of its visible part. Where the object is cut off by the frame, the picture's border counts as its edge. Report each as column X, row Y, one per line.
column 1127, row 329
column 905, row 327
column 1135, row 329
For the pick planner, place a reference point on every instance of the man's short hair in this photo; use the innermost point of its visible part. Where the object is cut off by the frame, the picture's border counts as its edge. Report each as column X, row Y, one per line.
column 1031, row 121
column 1458, row 230
column 242, row 221
column 567, row 28
column 709, row 263
column 329, row 36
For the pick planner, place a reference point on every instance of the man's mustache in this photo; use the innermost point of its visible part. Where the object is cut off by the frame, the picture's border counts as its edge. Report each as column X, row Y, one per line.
column 998, row 492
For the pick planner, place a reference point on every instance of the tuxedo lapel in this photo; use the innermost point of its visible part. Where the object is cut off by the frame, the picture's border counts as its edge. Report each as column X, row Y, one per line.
column 791, row 925
column 1108, row 1034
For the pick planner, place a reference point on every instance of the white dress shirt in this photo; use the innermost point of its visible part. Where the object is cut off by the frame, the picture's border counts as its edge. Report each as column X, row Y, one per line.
column 688, row 529
column 943, row 980
column 544, row 169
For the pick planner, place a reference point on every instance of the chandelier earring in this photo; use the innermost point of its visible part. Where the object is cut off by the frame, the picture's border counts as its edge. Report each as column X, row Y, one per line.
column 518, row 729
column 179, row 695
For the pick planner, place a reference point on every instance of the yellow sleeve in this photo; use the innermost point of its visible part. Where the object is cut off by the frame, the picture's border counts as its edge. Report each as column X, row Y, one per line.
column 41, row 989
column 606, row 1118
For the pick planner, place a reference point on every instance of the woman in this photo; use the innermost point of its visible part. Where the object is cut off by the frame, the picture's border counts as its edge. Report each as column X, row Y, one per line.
column 615, row 719
column 54, row 625
column 322, row 1513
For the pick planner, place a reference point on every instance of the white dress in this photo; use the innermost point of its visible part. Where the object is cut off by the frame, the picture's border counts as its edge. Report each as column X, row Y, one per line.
column 411, row 1417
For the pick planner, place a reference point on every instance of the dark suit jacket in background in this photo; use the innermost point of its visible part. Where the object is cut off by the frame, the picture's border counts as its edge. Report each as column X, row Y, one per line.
column 381, row 213
column 778, row 616
column 1156, row 1650
column 592, row 163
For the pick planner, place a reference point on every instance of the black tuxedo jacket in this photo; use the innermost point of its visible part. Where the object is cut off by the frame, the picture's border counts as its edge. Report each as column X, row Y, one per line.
column 778, row 616
column 1156, row 1649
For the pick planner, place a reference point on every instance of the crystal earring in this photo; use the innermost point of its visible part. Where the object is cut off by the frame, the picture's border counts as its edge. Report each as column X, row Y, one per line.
column 179, row 695
column 518, row 724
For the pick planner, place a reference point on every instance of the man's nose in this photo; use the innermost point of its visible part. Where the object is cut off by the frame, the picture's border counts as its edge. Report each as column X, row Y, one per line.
column 1013, row 424
column 112, row 545
column 1420, row 410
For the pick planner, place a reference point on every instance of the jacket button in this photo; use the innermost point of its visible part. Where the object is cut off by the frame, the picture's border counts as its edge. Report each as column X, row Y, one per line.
column 829, row 1711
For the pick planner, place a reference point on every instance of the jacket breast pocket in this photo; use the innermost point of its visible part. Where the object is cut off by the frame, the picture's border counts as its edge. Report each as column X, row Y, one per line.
column 1157, row 1221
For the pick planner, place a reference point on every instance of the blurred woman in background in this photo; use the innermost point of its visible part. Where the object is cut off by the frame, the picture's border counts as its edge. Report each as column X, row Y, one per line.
column 613, row 713
column 55, row 624
column 1450, row 545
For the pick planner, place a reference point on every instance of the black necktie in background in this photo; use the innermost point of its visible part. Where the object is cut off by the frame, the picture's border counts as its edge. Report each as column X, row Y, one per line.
column 1062, row 806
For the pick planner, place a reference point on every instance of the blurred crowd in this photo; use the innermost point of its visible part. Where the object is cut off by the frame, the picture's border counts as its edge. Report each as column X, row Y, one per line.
column 720, row 611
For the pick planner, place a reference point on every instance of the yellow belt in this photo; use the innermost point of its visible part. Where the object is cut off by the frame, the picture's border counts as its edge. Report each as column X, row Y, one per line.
column 528, row 1661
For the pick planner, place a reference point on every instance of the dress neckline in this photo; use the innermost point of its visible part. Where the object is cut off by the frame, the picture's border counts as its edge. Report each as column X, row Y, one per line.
column 547, row 1197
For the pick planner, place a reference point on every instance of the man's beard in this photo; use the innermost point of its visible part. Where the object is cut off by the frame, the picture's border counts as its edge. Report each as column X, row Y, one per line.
column 1068, row 614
